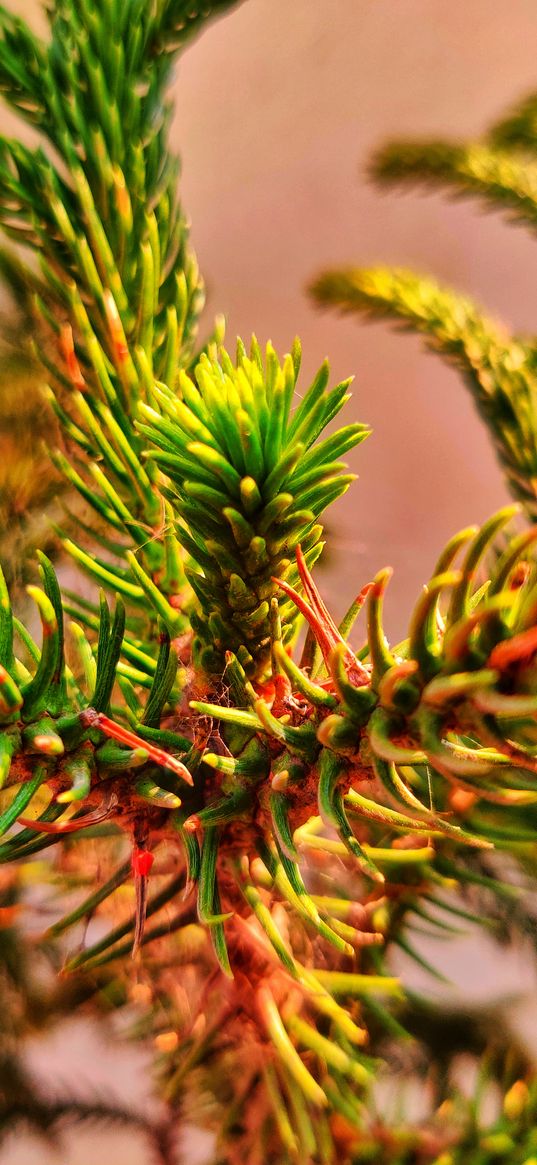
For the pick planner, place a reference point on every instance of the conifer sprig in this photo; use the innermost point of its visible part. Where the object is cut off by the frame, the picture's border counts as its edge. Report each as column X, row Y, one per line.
column 497, row 366
column 441, row 703
column 250, row 482
column 455, row 701
column 119, row 293
column 501, row 180
column 517, row 130
column 55, row 735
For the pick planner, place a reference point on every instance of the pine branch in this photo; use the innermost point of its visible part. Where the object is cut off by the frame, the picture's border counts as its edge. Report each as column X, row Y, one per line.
column 443, row 702
column 502, row 181
column 120, row 294
column 499, row 369
column 22, row 61
column 518, row 129
column 50, row 1118
column 179, row 22
column 250, row 482
column 437, row 710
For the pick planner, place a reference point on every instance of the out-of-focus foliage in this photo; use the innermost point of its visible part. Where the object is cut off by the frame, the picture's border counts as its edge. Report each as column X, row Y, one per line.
column 498, row 367
column 28, row 481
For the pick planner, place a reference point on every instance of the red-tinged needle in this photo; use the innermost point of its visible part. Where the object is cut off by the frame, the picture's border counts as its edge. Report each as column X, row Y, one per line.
column 314, row 610
column 125, row 736
column 69, row 825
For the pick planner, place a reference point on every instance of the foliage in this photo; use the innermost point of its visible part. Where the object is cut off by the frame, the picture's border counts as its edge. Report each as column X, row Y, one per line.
column 283, row 820
column 28, row 481
column 497, row 366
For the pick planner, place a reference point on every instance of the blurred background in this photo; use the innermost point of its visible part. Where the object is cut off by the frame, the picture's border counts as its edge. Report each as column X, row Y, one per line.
column 278, row 107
